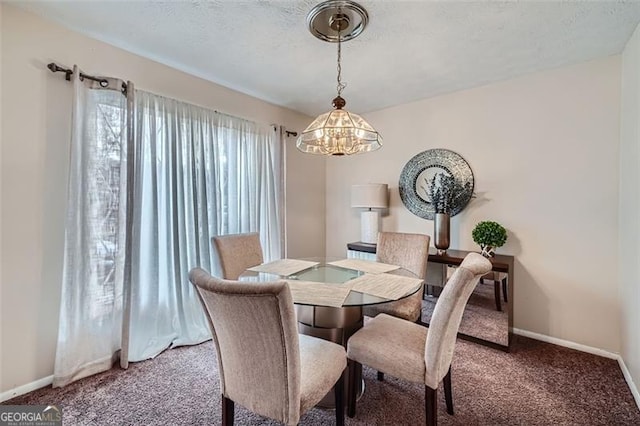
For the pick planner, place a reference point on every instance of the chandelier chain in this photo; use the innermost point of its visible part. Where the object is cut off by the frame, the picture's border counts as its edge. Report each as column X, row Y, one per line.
column 340, row 85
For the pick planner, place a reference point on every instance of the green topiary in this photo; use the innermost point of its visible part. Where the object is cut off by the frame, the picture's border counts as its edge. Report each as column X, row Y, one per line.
column 489, row 235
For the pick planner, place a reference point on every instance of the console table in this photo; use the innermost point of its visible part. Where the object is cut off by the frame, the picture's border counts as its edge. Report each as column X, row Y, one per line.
column 501, row 263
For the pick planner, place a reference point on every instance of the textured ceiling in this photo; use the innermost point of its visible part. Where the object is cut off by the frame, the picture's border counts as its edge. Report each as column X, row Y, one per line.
column 410, row 50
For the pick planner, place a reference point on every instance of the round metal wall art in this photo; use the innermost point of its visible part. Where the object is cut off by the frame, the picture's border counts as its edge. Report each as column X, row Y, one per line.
column 418, row 172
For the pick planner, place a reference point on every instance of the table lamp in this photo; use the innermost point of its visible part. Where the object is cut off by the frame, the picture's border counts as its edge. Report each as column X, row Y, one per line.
column 369, row 196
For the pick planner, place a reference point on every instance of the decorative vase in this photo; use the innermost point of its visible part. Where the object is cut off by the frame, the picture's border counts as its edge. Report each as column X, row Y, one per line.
column 441, row 232
column 488, row 251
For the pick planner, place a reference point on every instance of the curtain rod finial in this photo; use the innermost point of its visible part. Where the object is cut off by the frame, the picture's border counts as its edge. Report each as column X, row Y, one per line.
column 55, row 68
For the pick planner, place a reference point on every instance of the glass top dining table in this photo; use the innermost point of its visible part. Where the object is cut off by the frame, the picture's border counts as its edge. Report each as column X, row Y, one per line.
column 324, row 272
column 331, row 322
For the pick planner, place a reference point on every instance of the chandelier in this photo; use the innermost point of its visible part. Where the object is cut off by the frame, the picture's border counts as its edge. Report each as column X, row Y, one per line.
column 338, row 132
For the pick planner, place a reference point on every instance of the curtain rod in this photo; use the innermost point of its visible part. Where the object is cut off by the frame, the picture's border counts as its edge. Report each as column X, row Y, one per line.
column 105, row 83
column 68, row 73
column 288, row 133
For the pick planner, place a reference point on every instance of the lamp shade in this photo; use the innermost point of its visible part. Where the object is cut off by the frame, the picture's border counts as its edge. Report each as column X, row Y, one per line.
column 370, row 195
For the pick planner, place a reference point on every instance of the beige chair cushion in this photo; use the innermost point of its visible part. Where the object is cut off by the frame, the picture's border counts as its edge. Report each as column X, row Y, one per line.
column 408, row 309
column 237, row 252
column 391, row 345
column 321, row 363
column 411, row 252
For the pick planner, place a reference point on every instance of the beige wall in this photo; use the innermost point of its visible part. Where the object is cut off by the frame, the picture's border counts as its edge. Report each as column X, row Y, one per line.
column 35, row 135
column 544, row 152
column 630, row 208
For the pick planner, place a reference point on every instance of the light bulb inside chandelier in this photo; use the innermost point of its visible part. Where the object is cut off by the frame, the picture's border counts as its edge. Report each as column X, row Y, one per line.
column 338, row 132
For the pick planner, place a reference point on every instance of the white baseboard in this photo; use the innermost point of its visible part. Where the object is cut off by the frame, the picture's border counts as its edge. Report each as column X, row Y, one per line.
column 587, row 349
column 21, row 390
column 566, row 344
column 629, row 379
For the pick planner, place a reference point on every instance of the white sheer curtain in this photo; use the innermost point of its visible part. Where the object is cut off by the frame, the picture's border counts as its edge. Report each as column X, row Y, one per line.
column 93, row 273
column 198, row 173
column 195, row 174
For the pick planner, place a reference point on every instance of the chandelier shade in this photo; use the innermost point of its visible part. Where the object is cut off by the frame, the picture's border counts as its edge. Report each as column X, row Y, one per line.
column 338, row 132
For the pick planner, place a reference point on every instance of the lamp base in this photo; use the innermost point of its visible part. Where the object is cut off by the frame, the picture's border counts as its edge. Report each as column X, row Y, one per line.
column 369, row 226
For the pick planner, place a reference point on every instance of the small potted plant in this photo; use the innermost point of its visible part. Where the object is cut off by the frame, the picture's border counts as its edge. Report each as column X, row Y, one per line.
column 489, row 235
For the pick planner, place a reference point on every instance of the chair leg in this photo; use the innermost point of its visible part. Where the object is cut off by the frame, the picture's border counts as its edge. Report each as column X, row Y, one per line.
column 338, row 391
column 431, row 406
column 496, row 291
column 380, row 376
column 227, row 411
column 352, row 366
column 448, row 394
column 504, row 290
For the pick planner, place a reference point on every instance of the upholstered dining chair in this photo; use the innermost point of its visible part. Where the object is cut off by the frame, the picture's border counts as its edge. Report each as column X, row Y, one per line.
column 411, row 252
column 412, row 352
column 237, row 252
column 264, row 364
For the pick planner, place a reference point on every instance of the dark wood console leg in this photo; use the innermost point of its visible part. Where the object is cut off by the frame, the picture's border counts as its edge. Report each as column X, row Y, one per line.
column 504, row 290
column 496, row 291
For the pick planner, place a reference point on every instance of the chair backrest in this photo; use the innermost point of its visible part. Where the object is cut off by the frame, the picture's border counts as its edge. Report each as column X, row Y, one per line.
column 237, row 252
column 255, row 333
column 447, row 316
column 410, row 251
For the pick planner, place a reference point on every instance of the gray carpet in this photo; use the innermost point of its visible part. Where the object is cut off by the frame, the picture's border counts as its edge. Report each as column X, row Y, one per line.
column 536, row 384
